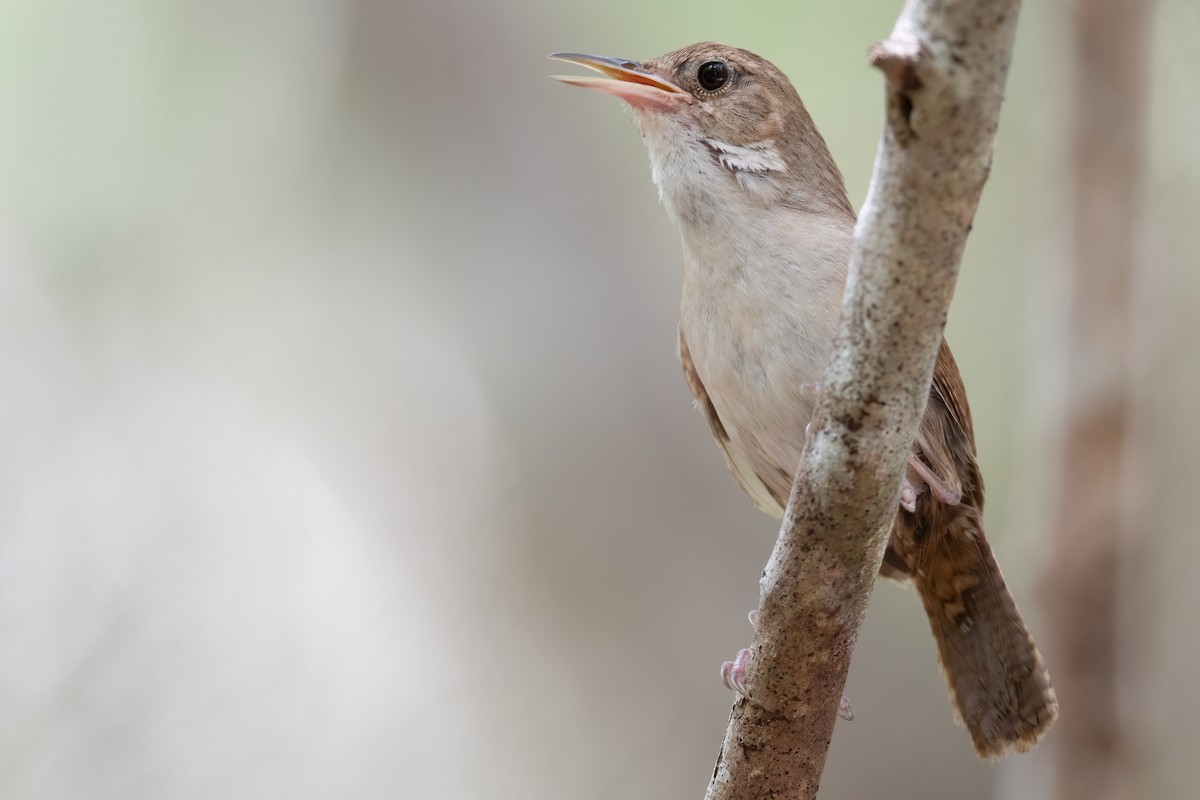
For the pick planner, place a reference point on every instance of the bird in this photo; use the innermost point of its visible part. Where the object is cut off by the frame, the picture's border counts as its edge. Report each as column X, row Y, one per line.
column 767, row 230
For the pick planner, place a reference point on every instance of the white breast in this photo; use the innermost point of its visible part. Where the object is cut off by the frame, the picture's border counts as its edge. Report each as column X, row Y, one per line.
column 761, row 301
column 762, row 287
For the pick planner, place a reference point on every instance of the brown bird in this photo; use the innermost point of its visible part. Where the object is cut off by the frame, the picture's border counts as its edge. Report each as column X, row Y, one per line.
column 767, row 231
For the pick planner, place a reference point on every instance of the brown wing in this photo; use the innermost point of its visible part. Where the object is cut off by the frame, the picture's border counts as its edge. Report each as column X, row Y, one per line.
column 949, row 389
column 747, row 478
column 945, row 444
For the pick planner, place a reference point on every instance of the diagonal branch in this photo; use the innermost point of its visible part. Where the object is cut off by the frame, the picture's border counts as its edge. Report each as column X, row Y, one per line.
column 945, row 65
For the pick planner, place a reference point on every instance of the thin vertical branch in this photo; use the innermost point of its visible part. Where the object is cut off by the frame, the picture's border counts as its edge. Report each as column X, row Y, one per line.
column 945, row 64
column 1095, row 758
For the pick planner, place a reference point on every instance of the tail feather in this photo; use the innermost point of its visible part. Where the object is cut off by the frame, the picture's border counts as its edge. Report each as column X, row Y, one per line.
column 998, row 682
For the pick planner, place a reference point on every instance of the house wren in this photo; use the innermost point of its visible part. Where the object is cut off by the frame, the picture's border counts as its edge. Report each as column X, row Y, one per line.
column 767, row 231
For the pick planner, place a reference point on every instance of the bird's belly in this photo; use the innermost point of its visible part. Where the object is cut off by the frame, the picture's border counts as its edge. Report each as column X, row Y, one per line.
column 761, row 381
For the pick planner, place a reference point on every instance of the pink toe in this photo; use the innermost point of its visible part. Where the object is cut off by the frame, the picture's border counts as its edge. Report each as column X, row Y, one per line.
column 845, row 711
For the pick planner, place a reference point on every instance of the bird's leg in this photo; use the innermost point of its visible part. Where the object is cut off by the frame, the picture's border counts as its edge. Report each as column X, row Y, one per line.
column 733, row 675
column 940, row 490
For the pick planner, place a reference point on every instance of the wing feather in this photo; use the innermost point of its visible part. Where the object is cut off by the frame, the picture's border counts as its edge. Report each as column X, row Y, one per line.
column 739, row 465
column 946, row 441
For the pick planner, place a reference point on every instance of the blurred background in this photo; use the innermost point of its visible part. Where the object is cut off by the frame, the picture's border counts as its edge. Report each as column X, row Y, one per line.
column 345, row 451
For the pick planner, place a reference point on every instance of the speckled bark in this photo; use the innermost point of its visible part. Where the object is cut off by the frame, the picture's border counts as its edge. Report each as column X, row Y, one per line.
column 946, row 64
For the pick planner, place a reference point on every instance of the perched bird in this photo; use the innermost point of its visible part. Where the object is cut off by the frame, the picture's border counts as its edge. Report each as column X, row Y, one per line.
column 767, row 231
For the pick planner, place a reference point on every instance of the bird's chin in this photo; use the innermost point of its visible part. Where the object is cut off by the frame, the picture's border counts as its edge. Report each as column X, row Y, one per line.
column 668, row 135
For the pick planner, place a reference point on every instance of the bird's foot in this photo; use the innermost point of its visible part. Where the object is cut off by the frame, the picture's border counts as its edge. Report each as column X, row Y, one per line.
column 733, row 675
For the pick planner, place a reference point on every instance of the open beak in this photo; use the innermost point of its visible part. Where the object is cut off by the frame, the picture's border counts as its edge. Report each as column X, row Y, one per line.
column 625, row 79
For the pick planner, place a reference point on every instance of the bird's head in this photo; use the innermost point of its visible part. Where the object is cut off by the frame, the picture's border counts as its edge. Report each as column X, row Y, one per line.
column 719, row 119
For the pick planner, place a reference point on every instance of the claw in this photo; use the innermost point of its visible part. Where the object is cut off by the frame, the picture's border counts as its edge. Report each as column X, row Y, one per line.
column 733, row 673
column 810, row 388
column 908, row 496
column 845, row 711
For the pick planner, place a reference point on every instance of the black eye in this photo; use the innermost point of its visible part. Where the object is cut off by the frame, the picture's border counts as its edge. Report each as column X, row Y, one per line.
column 712, row 75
